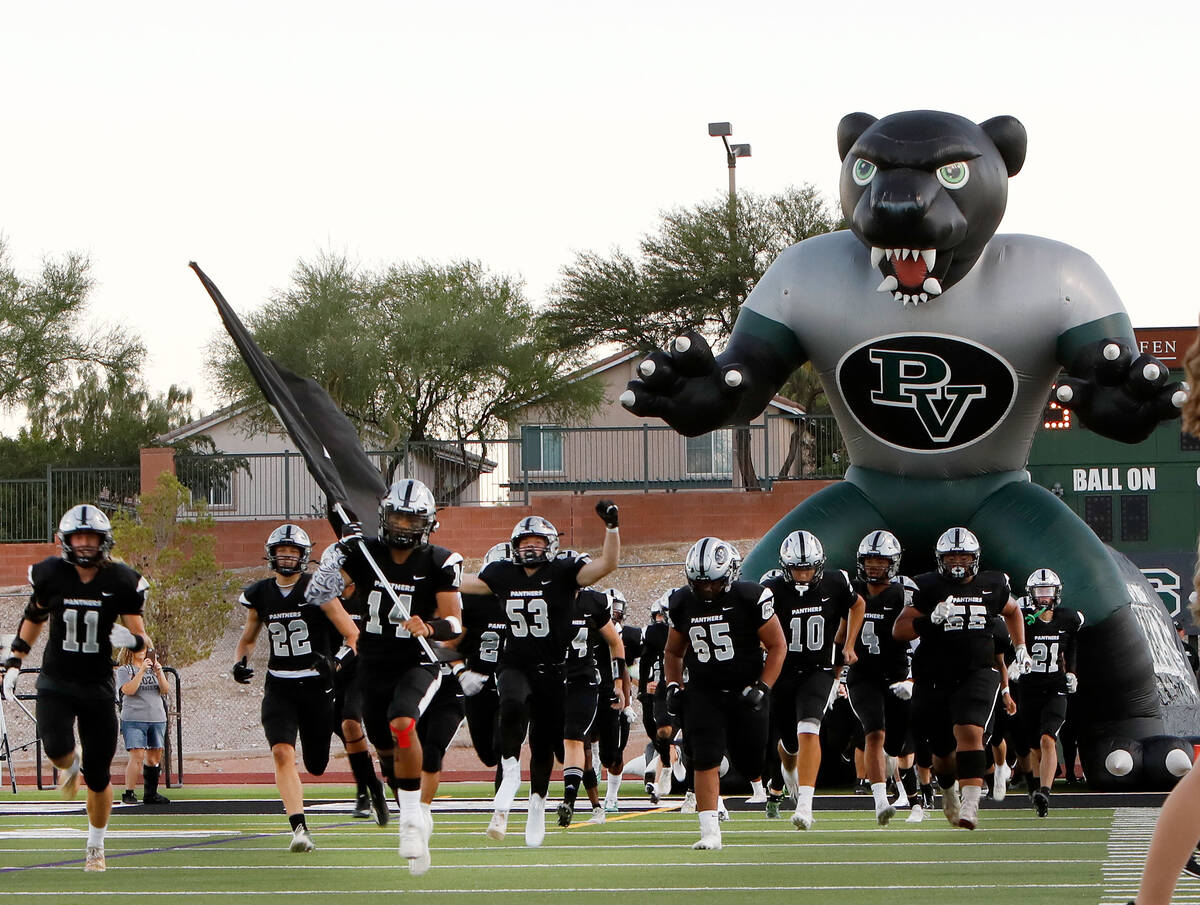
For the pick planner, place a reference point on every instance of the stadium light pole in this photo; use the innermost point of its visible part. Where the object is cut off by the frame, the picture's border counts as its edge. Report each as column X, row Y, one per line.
column 732, row 152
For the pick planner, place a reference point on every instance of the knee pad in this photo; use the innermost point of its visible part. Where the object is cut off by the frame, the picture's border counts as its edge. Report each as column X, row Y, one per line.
column 97, row 779
column 431, row 760
column 404, row 735
column 808, row 727
column 971, row 764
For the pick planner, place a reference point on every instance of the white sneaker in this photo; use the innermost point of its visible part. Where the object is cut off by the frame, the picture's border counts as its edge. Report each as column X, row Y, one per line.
column 885, row 814
column 422, row 862
column 968, row 815
column 917, row 814
column 1000, row 778
column 802, row 820
column 722, row 811
column 69, row 784
column 708, row 843
column 301, row 840
column 758, row 798
column 95, row 859
column 498, row 826
column 951, row 804
column 598, row 815
column 689, row 804
column 412, row 842
column 535, row 822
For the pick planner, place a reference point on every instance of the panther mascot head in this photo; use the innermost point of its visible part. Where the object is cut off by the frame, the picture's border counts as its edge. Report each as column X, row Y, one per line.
column 925, row 191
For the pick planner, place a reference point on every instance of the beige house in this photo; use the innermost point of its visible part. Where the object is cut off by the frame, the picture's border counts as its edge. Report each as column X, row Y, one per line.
column 260, row 474
column 617, row 450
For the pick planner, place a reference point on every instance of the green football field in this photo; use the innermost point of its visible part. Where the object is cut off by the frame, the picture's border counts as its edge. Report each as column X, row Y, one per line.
column 199, row 850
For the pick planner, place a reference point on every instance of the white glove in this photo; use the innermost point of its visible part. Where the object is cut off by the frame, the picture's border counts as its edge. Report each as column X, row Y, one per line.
column 1014, row 671
column 122, row 637
column 1023, row 660
column 902, row 689
column 10, row 683
column 1072, row 683
column 471, row 682
column 941, row 612
column 630, row 715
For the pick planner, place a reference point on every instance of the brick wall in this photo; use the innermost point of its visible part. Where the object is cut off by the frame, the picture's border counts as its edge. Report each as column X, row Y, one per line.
column 646, row 518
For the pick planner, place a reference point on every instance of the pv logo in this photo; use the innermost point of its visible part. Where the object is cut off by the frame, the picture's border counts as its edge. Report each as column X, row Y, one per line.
column 926, row 392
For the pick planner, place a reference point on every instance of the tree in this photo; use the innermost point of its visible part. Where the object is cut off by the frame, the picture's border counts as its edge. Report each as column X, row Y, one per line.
column 190, row 599
column 694, row 272
column 43, row 333
column 412, row 352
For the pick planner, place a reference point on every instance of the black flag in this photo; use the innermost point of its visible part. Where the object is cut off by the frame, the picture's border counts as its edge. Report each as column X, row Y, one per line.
column 323, row 434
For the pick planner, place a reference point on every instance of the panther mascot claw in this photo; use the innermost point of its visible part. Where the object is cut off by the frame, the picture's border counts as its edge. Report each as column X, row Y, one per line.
column 937, row 343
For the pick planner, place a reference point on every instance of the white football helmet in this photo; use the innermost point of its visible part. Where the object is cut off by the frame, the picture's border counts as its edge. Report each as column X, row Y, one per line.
column 501, row 552
column 534, row 526
column 711, row 559
column 883, row 544
column 802, row 550
column 617, row 604
column 82, row 518
column 772, row 574
column 288, row 535
column 1042, row 579
column 957, row 540
column 407, row 497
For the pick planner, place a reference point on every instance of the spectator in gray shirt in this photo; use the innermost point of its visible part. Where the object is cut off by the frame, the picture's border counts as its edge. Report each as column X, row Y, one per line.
column 142, row 684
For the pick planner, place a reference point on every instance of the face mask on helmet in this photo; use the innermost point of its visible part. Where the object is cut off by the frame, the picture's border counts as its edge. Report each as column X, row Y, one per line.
column 658, row 609
column 1044, row 589
column 531, row 530
column 884, row 549
column 288, row 536
column 79, row 522
column 407, row 515
column 957, row 553
column 710, row 566
column 802, row 550
column 616, row 604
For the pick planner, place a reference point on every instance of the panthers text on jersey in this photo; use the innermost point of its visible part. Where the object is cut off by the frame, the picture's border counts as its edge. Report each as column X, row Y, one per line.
column 78, row 656
column 810, row 618
column 964, row 642
column 484, row 629
column 723, row 649
column 879, row 654
column 417, row 581
column 539, row 608
column 299, row 633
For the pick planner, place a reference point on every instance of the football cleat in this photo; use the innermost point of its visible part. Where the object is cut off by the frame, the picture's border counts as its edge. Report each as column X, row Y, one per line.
column 1041, row 802
column 916, row 815
column 652, row 791
column 598, row 815
column 94, row 862
column 708, row 843
column 362, row 806
column 1192, row 867
column 1000, row 781
column 722, row 811
column 411, row 839
column 128, row 797
column 301, row 840
column 498, row 826
column 968, row 815
column 379, row 804
column 772, row 809
column 802, row 820
column 565, row 813
column 68, row 786
column 689, row 804
column 421, row 863
column 758, row 798
column 951, row 804
column 611, row 807
column 884, row 815
column 535, row 822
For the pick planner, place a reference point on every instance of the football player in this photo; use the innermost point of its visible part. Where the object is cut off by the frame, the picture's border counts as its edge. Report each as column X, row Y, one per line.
column 1050, row 632
column 82, row 594
column 298, row 695
column 879, row 683
column 538, row 591
column 613, row 713
column 652, row 694
column 954, row 668
column 420, row 601
column 819, row 613
column 718, row 629
column 587, row 686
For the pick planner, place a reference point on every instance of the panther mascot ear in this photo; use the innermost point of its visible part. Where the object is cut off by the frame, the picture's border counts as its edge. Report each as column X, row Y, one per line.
column 1010, row 139
column 852, row 126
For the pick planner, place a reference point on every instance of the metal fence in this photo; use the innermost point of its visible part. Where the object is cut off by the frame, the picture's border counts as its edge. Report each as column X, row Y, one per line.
column 31, row 507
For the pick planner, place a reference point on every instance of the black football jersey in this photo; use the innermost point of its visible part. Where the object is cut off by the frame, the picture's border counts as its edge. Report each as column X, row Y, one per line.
column 484, row 629
column 723, row 649
column 964, row 642
column 650, row 663
column 1051, row 646
column 810, row 618
column 298, row 632
column 539, row 608
column 591, row 615
column 427, row 571
column 631, row 638
column 879, row 654
column 78, row 656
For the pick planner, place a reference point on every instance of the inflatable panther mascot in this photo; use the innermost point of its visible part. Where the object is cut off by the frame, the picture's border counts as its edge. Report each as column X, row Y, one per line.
column 937, row 343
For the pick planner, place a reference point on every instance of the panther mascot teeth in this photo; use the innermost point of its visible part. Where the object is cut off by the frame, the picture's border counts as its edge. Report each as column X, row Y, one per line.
column 937, row 342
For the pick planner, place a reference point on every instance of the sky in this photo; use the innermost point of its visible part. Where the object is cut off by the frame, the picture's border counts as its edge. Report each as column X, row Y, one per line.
column 248, row 135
